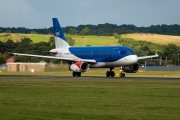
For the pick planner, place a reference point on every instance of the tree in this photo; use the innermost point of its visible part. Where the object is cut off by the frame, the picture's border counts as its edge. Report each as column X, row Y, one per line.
column 51, row 42
column 10, row 45
column 120, row 40
column 116, row 36
column 72, row 31
column 26, row 41
column 70, row 40
column 170, row 52
column 2, row 59
column 25, row 46
column 33, row 32
column 2, row 47
column 20, row 59
column 85, row 31
column 145, row 48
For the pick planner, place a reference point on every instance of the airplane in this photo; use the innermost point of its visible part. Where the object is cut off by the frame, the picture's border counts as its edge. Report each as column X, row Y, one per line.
column 81, row 59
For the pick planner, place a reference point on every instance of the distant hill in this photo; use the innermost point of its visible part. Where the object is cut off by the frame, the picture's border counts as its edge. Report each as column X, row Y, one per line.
column 97, row 40
column 154, row 38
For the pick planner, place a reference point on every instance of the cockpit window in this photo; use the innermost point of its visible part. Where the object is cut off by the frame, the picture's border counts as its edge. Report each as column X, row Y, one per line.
column 130, row 52
column 127, row 52
column 123, row 52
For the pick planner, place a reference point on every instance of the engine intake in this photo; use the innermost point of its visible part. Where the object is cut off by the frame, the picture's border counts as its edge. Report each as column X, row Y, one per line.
column 79, row 67
column 131, row 69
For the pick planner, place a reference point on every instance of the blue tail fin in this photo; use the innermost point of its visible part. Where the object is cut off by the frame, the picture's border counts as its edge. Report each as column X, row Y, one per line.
column 60, row 40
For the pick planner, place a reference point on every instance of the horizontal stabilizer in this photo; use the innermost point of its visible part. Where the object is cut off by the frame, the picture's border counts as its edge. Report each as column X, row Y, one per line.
column 45, row 51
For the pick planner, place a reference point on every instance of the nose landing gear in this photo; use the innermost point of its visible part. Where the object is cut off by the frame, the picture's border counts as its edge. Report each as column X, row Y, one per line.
column 121, row 74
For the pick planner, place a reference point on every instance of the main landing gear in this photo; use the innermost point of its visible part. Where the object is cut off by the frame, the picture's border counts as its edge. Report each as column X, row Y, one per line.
column 110, row 73
column 78, row 74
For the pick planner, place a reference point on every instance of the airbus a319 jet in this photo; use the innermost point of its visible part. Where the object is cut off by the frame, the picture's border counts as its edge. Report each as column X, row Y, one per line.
column 81, row 59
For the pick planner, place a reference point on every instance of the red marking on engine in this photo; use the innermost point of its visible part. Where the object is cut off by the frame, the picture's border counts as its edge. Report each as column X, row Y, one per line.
column 78, row 64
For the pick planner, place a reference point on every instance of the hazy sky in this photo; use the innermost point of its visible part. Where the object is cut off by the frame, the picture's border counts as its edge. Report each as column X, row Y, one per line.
column 39, row 13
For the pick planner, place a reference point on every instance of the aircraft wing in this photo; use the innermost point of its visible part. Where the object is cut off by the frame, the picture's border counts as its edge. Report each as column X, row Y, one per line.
column 146, row 57
column 54, row 57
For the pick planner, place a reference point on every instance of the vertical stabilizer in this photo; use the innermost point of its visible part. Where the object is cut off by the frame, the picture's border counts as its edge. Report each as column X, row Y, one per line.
column 60, row 40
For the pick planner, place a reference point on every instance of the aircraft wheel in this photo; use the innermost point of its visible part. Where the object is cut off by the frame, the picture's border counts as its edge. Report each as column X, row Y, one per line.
column 79, row 74
column 74, row 74
column 107, row 74
column 122, row 75
column 112, row 74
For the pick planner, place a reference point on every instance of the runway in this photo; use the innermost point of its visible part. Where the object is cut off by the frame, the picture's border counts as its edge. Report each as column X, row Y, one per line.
column 85, row 77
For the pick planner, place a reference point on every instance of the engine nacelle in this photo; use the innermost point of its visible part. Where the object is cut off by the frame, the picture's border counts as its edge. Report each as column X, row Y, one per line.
column 131, row 69
column 79, row 67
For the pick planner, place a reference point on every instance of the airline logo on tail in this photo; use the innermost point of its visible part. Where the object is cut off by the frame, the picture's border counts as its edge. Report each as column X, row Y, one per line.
column 60, row 39
column 57, row 34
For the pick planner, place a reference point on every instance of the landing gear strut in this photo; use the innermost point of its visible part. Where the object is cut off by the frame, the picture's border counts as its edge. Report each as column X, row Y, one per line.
column 110, row 73
column 78, row 74
column 122, row 74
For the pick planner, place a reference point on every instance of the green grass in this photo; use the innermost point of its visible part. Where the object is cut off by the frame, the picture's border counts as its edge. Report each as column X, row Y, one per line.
column 80, row 40
column 36, row 38
column 95, row 41
column 74, row 98
column 98, row 72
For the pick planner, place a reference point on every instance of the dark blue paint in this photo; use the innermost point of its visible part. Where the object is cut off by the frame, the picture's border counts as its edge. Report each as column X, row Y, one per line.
column 102, row 53
column 57, row 29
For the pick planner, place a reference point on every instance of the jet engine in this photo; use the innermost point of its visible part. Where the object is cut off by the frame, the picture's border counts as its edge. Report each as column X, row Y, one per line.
column 131, row 69
column 79, row 66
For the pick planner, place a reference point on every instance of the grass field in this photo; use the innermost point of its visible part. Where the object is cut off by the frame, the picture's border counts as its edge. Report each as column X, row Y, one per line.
column 36, row 38
column 95, row 41
column 154, row 38
column 66, row 98
column 98, row 40
column 98, row 72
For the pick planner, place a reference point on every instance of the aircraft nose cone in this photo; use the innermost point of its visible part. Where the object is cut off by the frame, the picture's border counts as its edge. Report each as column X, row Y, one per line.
column 133, row 59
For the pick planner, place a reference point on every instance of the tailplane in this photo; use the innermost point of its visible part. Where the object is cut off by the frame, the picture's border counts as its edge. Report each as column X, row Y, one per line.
column 60, row 40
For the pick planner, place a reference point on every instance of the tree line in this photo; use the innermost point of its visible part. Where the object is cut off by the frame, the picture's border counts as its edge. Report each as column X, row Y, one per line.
column 101, row 29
